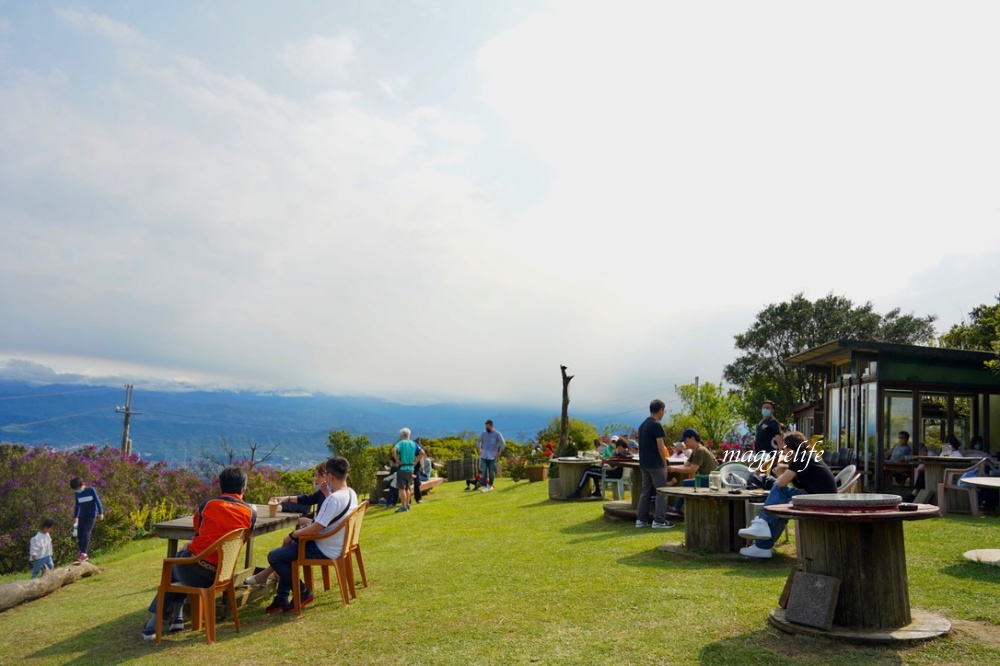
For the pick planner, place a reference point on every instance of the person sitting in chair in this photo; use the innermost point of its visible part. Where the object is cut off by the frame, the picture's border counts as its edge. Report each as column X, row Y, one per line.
column 621, row 451
column 899, row 453
column 811, row 476
column 700, row 461
column 214, row 518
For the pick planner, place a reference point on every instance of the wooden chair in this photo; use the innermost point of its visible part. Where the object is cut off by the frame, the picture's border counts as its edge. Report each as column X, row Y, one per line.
column 951, row 482
column 339, row 564
column 203, row 598
column 355, row 551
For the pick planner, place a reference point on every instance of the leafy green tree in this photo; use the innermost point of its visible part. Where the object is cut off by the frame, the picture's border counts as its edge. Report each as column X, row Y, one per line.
column 360, row 453
column 784, row 329
column 980, row 333
column 710, row 409
column 581, row 433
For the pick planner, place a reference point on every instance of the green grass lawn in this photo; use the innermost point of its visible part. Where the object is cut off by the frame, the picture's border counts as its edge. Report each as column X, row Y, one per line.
column 510, row 577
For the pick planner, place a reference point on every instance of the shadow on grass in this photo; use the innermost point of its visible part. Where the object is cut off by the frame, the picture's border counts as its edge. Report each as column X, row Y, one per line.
column 120, row 640
column 772, row 647
column 987, row 573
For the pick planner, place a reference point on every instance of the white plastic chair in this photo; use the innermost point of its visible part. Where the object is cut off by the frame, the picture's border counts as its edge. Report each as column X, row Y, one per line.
column 617, row 485
column 845, row 475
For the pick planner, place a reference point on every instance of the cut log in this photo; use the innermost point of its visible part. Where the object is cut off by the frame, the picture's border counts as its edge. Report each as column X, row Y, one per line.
column 20, row 591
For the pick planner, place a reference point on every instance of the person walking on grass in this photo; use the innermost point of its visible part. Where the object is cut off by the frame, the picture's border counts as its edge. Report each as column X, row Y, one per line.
column 87, row 509
column 653, row 466
column 490, row 446
column 40, row 549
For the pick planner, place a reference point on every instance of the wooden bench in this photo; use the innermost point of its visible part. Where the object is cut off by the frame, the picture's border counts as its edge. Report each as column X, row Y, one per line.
column 381, row 489
column 434, row 481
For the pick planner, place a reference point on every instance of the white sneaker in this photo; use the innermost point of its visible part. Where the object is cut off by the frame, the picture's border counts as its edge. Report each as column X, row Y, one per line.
column 484, row 489
column 758, row 529
column 665, row 525
column 642, row 523
column 754, row 551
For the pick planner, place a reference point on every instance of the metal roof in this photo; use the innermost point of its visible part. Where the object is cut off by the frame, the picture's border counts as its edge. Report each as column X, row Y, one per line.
column 841, row 351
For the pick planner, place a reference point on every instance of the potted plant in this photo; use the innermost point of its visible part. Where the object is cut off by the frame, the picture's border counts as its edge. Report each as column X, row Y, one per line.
column 538, row 466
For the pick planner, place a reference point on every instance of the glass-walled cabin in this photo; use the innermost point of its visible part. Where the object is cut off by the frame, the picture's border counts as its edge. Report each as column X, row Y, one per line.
column 874, row 390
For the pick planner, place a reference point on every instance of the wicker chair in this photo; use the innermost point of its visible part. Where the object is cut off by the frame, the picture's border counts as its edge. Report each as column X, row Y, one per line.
column 355, row 551
column 340, row 564
column 203, row 598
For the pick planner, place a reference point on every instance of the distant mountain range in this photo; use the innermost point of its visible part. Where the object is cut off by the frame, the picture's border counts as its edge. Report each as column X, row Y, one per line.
column 179, row 426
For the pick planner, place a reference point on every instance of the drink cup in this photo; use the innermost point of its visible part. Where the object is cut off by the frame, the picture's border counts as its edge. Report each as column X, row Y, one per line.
column 272, row 509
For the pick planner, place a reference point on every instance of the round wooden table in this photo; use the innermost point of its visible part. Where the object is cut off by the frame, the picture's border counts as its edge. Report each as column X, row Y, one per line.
column 984, row 555
column 570, row 472
column 865, row 550
column 713, row 518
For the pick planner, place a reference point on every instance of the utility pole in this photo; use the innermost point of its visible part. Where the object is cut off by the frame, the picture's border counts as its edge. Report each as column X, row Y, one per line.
column 694, row 407
column 127, row 411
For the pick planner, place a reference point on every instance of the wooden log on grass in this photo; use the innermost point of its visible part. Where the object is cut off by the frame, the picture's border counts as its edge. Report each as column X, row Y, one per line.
column 12, row 594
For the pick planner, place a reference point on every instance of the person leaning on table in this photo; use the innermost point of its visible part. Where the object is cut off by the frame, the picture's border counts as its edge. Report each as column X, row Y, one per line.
column 701, row 461
column 304, row 503
column 811, row 476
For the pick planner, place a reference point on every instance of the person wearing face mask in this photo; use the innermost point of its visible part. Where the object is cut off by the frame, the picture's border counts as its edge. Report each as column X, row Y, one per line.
column 304, row 503
column 767, row 429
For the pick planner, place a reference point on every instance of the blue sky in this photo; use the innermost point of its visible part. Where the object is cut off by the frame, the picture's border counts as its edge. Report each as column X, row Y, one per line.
column 446, row 200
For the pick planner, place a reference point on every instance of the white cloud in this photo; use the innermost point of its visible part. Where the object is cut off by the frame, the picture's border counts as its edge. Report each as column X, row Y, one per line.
column 322, row 58
column 688, row 165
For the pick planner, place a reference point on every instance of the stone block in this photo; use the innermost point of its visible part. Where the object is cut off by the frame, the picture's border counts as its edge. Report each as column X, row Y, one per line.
column 813, row 600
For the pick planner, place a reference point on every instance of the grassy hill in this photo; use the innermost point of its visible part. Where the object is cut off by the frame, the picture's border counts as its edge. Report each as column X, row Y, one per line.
column 510, row 577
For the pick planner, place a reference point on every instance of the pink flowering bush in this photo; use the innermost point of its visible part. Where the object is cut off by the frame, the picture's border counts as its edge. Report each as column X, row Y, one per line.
column 34, row 485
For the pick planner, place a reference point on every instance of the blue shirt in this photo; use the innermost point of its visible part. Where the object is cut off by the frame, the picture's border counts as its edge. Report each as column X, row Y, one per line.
column 87, row 503
column 490, row 445
column 406, row 450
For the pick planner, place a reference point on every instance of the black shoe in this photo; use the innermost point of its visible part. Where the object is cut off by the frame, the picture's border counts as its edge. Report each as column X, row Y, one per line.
column 576, row 494
column 307, row 598
column 278, row 605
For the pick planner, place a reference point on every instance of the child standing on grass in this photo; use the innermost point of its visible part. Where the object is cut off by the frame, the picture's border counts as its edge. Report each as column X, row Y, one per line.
column 88, row 508
column 40, row 549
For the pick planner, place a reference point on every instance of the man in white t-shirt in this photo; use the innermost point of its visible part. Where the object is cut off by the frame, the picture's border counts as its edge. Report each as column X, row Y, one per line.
column 332, row 513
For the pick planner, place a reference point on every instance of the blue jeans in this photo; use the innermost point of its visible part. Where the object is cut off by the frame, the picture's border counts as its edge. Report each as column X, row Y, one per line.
column 281, row 559
column 776, row 496
column 37, row 565
column 488, row 468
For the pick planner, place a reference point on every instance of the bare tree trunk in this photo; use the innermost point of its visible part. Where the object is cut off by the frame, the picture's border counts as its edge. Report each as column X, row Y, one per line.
column 20, row 591
column 564, row 422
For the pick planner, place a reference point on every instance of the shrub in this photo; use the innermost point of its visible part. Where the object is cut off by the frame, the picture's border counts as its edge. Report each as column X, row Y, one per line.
column 34, row 485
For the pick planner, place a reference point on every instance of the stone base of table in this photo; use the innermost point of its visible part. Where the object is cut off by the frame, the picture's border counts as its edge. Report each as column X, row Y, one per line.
column 620, row 510
column 984, row 556
column 923, row 627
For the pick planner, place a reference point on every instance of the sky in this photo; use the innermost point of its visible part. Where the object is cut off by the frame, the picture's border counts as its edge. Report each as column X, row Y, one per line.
column 445, row 200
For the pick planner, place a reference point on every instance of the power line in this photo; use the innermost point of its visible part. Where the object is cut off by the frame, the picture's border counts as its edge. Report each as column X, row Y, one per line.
column 11, row 426
column 235, row 423
column 46, row 395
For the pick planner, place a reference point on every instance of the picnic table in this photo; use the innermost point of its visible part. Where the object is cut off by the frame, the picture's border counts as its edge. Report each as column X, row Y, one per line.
column 891, row 469
column 713, row 518
column 857, row 538
column 183, row 529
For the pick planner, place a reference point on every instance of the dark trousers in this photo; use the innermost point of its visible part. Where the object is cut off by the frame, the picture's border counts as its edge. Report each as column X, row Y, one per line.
column 194, row 575
column 281, row 559
column 84, row 526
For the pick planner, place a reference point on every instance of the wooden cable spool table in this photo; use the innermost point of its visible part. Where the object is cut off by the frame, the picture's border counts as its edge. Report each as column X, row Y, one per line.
column 984, row 555
column 713, row 518
column 858, row 539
